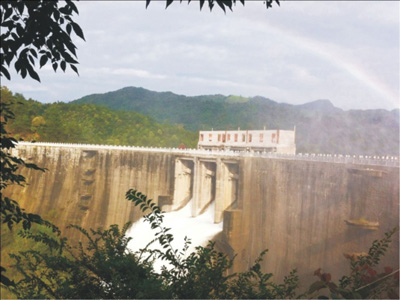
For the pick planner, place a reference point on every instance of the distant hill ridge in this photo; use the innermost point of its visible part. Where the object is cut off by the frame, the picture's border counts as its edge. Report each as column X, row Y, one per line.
column 89, row 124
column 321, row 127
column 320, row 105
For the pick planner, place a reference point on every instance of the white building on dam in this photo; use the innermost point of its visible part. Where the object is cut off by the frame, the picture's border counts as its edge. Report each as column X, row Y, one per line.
column 280, row 141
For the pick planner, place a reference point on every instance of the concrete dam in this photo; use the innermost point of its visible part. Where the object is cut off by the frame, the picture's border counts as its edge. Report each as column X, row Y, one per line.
column 308, row 210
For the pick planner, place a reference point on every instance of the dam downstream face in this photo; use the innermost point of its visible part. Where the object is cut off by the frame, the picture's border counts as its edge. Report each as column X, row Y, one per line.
column 297, row 207
column 199, row 230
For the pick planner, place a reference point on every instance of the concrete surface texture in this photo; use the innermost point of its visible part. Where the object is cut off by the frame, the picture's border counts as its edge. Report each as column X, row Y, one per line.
column 307, row 213
column 87, row 186
column 298, row 210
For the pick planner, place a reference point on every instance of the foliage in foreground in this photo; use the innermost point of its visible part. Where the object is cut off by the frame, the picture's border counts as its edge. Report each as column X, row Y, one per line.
column 11, row 212
column 364, row 281
column 37, row 31
column 104, row 267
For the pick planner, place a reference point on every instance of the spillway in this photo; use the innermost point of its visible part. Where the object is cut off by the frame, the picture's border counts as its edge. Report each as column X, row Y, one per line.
column 199, row 229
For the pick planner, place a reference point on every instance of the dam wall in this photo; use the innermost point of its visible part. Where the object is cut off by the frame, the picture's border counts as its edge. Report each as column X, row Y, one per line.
column 86, row 186
column 308, row 210
column 309, row 214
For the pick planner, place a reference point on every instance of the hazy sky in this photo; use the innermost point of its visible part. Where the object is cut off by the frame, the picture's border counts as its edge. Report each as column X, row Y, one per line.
column 347, row 52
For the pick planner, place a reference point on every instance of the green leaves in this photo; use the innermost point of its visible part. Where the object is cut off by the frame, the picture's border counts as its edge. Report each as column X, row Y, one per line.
column 78, row 30
column 32, row 73
column 147, row 3
column 169, row 2
column 316, row 286
column 11, row 212
column 4, row 72
column 75, row 69
column 5, row 280
column 43, row 60
column 155, row 218
column 364, row 282
column 203, row 273
column 43, row 27
column 100, row 268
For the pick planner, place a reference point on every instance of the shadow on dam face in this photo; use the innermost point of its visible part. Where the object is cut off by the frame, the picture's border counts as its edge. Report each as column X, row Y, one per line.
column 227, row 188
column 206, row 182
column 204, row 186
column 183, row 187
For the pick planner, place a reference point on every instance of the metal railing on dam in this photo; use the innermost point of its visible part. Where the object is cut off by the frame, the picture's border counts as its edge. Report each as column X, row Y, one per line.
column 392, row 161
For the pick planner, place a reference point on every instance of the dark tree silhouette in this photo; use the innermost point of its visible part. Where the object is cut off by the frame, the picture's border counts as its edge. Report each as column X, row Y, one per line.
column 223, row 4
column 34, row 31
column 40, row 31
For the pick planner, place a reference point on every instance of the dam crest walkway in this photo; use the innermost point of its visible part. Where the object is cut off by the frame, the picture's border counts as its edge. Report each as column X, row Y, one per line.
column 391, row 161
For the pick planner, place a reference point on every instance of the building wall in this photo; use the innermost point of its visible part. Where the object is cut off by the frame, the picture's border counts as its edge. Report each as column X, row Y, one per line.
column 270, row 140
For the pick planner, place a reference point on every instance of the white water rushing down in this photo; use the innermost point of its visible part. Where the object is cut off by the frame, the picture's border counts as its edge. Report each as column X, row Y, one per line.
column 199, row 229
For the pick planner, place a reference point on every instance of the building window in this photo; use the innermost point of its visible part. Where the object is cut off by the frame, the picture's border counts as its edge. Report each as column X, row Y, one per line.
column 250, row 137
column 201, row 137
column 273, row 138
column 229, row 137
column 261, row 137
column 219, row 137
column 243, row 137
column 223, row 138
column 210, row 137
column 236, row 137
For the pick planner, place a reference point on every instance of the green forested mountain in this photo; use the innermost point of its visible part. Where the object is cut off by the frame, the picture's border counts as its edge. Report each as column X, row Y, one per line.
column 136, row 116
column 321, row 127
column 89, row 123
